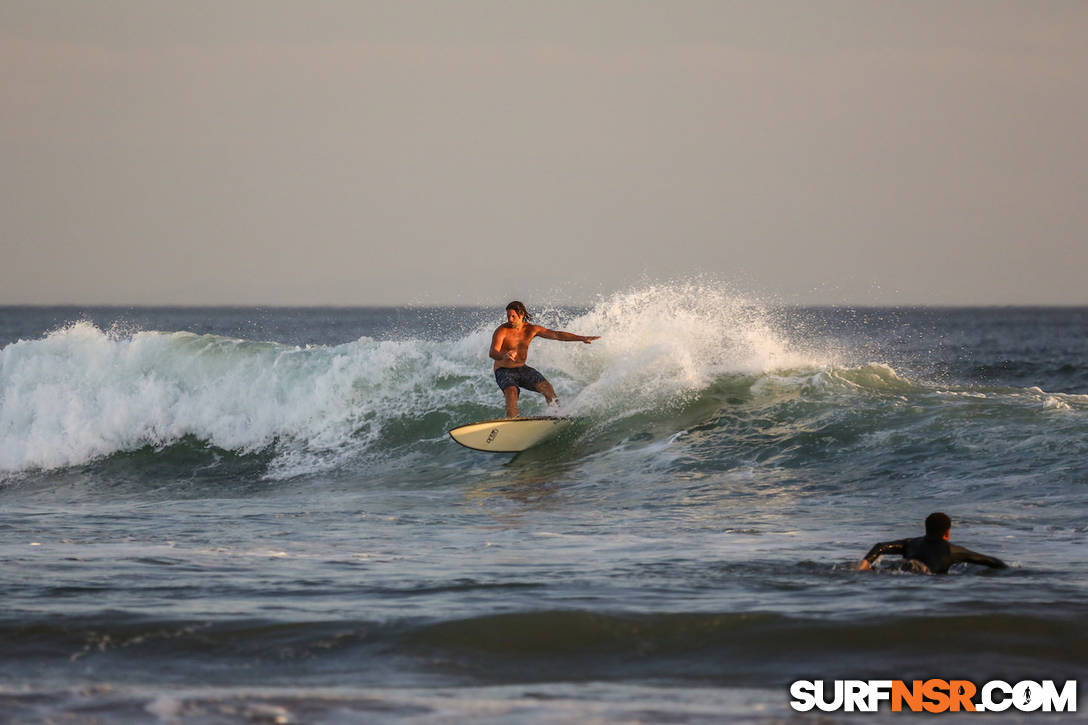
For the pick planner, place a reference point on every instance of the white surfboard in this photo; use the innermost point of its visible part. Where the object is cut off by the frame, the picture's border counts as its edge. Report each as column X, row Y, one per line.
column 508, row 435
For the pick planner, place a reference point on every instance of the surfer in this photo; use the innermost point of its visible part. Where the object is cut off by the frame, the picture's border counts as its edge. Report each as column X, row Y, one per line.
column 930, row 554
column 509, row 350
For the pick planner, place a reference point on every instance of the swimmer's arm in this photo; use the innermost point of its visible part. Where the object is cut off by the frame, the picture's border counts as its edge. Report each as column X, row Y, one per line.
column 973, row 557
column 564, row 336
column 885, row 547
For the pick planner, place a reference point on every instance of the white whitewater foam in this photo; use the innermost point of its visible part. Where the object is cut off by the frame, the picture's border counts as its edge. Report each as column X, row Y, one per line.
column 661, row 344
column 81, row 393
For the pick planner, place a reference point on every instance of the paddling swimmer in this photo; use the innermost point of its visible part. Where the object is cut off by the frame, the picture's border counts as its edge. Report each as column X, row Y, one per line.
column 509, row 349
column 930, row 554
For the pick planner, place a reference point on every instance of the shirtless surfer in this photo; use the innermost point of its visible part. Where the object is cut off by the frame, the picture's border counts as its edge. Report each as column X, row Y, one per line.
column 509, row 349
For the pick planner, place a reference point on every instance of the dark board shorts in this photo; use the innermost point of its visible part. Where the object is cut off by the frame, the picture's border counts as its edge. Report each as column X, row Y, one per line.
column 524, row 377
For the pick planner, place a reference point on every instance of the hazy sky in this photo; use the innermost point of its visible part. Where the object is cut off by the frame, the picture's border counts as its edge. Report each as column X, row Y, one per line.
column 465, row 152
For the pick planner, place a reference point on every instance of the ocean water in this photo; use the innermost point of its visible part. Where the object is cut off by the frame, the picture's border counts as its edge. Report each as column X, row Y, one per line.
column 256, row 515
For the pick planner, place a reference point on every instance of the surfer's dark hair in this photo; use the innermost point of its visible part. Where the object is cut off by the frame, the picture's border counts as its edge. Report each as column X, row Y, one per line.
column 937, row 525
column 519, row 307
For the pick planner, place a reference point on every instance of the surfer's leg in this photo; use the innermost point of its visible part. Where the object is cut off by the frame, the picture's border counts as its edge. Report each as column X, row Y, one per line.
column 531, row 379
column 511, row 394
column 545, row 388
column 508, row 383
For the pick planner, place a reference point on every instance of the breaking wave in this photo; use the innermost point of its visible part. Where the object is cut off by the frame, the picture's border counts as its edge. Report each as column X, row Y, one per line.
column 671, row 357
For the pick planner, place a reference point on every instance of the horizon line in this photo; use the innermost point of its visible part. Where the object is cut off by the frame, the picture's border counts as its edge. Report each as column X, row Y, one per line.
column 414, row 305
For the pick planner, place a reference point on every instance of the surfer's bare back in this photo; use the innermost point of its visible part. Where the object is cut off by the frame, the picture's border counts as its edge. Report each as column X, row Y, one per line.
column 509, row 350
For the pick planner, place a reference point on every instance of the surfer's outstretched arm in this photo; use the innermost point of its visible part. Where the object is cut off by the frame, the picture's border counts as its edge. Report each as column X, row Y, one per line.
column 879, row 550
column 566, row 336
column 960, row 553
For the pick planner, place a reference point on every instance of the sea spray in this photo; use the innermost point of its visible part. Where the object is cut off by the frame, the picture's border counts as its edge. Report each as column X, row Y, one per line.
column 662, row 344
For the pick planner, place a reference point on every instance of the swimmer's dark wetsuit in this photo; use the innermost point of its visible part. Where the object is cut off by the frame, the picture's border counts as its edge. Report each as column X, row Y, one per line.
column 924, row 555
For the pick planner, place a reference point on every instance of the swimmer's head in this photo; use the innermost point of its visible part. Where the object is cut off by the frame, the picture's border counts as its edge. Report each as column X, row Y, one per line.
column 937, row 525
